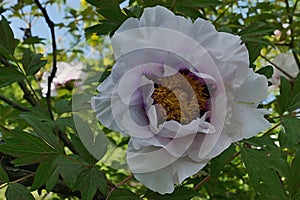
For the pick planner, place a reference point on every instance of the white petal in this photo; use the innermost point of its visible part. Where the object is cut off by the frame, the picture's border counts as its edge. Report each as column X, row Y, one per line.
column 154, row 17
column 185, row 167
column 254, row 89
column 250, row 120
column 160, row 181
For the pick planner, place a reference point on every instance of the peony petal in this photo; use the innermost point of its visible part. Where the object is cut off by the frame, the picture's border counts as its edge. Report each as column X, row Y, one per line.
column 254, row 89
column 155, row 17
column 185, row 167
column 250, row 120
column 160, row 181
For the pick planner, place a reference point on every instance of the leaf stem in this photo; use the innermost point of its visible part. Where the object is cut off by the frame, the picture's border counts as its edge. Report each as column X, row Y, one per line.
column 119, row 185
column 18, row 180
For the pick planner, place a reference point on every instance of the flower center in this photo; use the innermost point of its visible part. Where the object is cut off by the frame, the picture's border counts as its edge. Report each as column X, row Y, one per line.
column 182, row 97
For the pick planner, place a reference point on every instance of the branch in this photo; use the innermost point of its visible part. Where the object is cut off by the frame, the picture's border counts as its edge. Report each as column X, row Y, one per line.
column 51, row 26
column 119, row 185
column 13, row 104
column 291, row 19
column 277, row 67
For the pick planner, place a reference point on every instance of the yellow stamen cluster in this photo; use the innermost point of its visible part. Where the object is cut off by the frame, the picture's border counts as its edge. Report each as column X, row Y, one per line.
column 180, row 97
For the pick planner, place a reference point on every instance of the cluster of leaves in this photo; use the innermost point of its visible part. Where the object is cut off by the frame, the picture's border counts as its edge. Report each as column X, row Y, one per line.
column 42, row 151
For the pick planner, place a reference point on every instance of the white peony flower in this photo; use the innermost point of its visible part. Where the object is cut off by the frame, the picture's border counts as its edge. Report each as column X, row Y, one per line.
column 182, row 91
column 65, row 72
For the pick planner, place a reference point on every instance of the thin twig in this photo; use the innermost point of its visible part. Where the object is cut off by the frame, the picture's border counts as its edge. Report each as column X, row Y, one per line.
column 51, row 26
column 206, row 179
column 18, row 180
column 119, row 185
column 291, row 19
column 277, row 67
column 172, row 5
column 13, row 104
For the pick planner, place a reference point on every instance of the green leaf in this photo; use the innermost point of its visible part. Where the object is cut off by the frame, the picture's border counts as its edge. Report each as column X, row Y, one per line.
column 285, row 90
column 218, row 163
column 181, row 193
column 7, row 42
column 16, row 191
column 293, row 179
column 51, row 182
column 102, row 29
column 9, row 75
column 123, row 194
column 28, row 149
column 69, row 168
column 32, row 63
column 289, row 99
column 63, row 106
column 262, row 166
column 44, row 171
column 3, row 175
column 44, row 126
column 266, row 71
column 95, row 144
column 292, row 130
column 83, row 152
column 196, row 3
column 89, row 181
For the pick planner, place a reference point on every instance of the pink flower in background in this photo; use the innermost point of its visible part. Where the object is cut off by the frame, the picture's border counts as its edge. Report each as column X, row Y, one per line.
column 182, row 91
column 287, row 63
column 65, row 72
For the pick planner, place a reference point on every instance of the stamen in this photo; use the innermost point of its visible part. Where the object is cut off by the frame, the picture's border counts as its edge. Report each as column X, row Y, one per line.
column 182, row 97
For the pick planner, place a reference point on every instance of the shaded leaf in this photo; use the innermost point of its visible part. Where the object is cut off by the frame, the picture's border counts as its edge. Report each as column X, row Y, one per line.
column 262, row 166
column 293, row 180
column 44, row 126
column 218, row 163
column 44, row 172
column 89, row 181
column 9, row 75
column 3, row 175
column 123, row 194
column 180, row 193
column 266, row 71
column 28, row 149
column 7, row 42
column 292, row 130
column 32, row 62
column 16, row 191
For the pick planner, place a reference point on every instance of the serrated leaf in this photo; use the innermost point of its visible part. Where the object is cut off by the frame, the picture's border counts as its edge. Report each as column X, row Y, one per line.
column 197, row 3
column 44, row 171
column 44, row 126
column 7, row 42
column 289, row 99
column 218, row 163
column 16, row 191
column 180, row 193
column 266, row 71
column 69, row 169
column 3, row 175
column 28, row 149
column 102, row 29
column 51, row 182
column 9, row 75
column 293, row 179
column 262, row 166
column 292, row 130
column 89, row 181
column 32, row 63
column 123, row 194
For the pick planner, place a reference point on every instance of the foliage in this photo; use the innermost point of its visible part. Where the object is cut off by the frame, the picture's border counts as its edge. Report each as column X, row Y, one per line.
column 42, row 149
